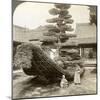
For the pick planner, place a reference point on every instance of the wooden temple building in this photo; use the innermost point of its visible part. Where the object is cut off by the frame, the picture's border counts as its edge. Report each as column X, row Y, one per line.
column 86, row 37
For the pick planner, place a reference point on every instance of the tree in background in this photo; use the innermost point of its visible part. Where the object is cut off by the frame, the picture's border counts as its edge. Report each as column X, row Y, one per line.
column 93, row 14
column 93, row 20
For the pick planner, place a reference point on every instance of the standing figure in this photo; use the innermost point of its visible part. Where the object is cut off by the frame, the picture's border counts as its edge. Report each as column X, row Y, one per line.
column 77, row 75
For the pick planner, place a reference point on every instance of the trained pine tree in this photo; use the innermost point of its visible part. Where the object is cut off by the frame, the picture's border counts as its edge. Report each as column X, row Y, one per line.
column 61, row 24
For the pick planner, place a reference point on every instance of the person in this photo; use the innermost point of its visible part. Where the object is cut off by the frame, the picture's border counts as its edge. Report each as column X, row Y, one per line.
column 77, row 75
column 64, row 82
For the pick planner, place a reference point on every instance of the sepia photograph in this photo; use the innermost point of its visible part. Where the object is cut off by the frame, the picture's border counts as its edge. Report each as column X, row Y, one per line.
column 54, row 49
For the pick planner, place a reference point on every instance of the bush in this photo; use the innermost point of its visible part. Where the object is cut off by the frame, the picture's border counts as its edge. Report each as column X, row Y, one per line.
column 34, row 61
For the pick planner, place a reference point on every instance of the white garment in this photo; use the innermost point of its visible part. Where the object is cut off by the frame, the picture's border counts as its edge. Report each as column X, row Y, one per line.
column 77, row 75
column 64, row 82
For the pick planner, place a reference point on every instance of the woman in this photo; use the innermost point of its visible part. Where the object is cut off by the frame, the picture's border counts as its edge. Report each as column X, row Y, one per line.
column 77, row 75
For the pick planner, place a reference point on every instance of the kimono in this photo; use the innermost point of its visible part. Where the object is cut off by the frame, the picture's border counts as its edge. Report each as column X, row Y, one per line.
column 64, row 82
column 77, row 75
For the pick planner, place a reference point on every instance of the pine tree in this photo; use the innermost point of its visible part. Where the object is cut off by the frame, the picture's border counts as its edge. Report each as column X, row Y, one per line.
column 61, row 24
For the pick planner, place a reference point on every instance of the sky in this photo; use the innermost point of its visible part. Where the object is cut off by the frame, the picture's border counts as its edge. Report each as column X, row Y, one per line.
column 32, row 15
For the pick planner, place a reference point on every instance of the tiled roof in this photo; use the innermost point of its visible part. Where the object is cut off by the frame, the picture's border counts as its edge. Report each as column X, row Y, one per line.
column 91, row 40
column 86, row 33
column 85, row 30
column 24, row 35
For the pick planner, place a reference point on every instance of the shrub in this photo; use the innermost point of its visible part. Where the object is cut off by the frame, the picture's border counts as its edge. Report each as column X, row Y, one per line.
column 34, row 61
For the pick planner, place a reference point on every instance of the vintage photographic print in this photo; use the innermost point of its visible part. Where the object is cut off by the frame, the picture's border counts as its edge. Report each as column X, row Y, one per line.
column 54, row 49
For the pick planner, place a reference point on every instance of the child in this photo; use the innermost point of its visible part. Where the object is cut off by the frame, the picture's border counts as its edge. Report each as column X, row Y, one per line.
column 77, row 75
column 64, row 82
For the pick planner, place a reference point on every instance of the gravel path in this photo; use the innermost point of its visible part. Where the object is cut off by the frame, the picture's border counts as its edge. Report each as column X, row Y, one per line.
column 26, row 86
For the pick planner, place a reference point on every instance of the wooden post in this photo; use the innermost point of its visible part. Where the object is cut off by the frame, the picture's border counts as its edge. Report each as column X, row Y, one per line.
column 80, row 52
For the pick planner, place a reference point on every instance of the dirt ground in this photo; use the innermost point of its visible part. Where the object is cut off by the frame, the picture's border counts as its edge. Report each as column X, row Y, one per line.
column 26, row 86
